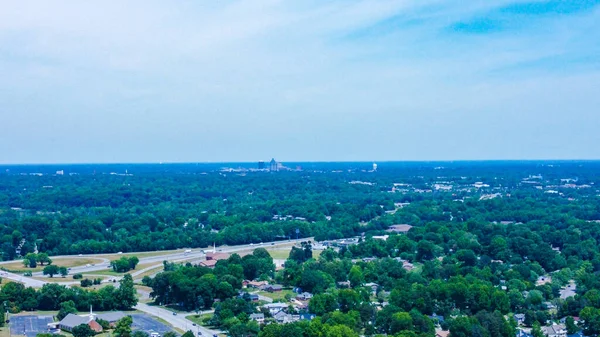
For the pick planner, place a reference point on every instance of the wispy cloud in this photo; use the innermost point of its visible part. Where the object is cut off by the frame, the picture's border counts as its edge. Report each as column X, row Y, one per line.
column 310, row 80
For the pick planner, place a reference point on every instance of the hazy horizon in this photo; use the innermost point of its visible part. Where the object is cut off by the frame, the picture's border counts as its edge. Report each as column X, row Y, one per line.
column 337, row 81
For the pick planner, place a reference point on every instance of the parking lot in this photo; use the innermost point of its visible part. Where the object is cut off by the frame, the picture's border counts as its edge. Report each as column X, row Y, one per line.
column 148, row 324
column 29, row 325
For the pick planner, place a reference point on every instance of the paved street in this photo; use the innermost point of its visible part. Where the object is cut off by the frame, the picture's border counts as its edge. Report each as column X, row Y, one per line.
column 178, row 321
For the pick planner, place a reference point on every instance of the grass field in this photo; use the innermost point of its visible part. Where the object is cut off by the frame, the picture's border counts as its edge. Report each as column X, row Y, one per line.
column 198, row 319
column 141, row 254
column 61, row 262
column 281, row 254
column 149, row 272
column 278, row 295
column 4, row 332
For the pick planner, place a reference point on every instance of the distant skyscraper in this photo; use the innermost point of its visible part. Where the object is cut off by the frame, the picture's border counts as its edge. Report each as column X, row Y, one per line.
column 261, row 165
column 273, row 165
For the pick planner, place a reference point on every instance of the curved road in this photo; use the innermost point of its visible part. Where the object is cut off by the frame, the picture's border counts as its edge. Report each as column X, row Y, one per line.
column 178, row 321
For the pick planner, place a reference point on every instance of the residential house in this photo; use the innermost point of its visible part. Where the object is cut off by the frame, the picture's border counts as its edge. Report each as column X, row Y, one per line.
column 523, row 333
column 275, row 307
column 343, row 284
column 271, row 288
column 555, row 330
column 373, row 286
column 399, row 228
column 306, row 317
column 543, row 280
column 282, row 317
column 249, row 297
column 442, row 333
column 437, row 318
column 304, row 296
column 254, row 284
column 260, row 318
column 520, row 318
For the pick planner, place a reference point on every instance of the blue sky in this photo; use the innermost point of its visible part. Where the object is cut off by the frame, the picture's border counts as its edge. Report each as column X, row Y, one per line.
column 212, row 81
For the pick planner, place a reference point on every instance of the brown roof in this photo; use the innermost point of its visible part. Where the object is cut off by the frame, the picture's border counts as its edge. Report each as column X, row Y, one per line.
column 95, row 326
column 441, row 333
column 208, row 263
column 217, row 256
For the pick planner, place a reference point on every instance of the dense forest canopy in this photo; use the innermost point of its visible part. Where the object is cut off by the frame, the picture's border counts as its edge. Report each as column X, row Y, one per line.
column 110, row 208
column 485, row 241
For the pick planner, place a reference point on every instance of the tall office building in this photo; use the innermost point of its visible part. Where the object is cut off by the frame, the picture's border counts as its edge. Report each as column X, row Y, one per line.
column 273, row 165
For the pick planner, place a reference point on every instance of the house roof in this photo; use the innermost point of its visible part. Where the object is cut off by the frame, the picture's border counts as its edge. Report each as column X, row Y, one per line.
column 209, row 263
column 442, row 333
column 111, row 317
column 399, row 228
column 95, row 326
column 72, row 320
column 217, row 256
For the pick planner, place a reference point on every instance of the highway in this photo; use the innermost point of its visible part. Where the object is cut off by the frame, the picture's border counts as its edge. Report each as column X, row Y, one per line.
column 177, row 321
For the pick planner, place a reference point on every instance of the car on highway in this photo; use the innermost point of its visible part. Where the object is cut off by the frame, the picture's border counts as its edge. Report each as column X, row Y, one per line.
column 174, row 314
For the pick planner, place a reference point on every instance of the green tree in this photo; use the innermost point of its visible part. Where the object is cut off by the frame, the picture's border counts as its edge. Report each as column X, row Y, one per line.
column 188, row 333
column 321, row 304
column 63, row 271
column 463, row 326
column 536, row 330
column 169, row 334
column 43, row 258
column 126, row 295
column 139, row 333
column 400, row 321
column 30, row 260
column 123, row 327
column 571, row 326
column 133, row 262
column 66, row 308
column 51, row 270
column 83, row 330
column 348, row 299
column 356, row 276
column 103, row 323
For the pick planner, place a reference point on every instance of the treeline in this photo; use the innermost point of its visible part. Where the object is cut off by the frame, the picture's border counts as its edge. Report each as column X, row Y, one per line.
column 195, row 287
column 53, row 297
column 154, row 211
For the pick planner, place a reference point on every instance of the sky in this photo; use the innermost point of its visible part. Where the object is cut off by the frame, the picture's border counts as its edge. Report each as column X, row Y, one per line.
column 311, row 80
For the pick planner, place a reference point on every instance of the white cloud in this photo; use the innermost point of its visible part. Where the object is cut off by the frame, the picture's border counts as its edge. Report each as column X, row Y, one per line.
column 156, row 81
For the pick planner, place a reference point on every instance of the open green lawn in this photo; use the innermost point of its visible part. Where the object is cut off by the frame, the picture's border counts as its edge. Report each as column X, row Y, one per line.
column 281, row 254
column 278, row 295
column 141, row 254
column 198, row 319
column 4, row 332
column 61, row 262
